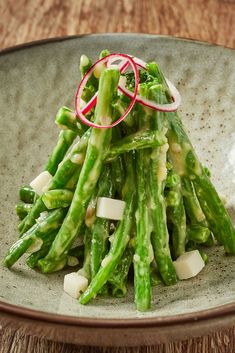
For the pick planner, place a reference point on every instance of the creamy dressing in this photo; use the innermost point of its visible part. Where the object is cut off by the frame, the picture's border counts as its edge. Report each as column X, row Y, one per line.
column 37, row 244
column 106, row 261
column 77, row 158
column 136, row 258
column 178, row 159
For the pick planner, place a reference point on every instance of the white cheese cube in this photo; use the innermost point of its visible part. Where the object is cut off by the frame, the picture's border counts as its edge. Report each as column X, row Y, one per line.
column 110, row 208
column 40, row 182
column 75, row 284
column 189, row 264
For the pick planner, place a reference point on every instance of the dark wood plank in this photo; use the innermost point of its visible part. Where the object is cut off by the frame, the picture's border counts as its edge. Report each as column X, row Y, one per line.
column 207, row 20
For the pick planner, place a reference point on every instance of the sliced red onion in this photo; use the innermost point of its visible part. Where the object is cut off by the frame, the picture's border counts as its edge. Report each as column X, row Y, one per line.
column 90, row 104
column 80, row 112
column 171, row 107
column 140, row 63
column 123, row 65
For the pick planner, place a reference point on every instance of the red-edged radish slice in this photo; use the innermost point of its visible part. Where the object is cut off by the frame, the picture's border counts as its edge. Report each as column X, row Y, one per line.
column 80, row 112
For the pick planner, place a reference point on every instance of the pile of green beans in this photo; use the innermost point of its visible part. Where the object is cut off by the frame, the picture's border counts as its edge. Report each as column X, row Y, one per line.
column 148, row 161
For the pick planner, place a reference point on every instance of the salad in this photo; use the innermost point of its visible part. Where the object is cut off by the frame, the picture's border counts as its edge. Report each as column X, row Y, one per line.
column 123, row 197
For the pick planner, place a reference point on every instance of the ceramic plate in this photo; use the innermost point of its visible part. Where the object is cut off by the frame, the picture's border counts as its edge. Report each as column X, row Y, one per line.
column 36, row 80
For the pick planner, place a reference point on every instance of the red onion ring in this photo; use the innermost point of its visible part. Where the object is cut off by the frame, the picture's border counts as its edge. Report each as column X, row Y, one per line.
column 171, row 107
column 92, row 102
column 80, row 113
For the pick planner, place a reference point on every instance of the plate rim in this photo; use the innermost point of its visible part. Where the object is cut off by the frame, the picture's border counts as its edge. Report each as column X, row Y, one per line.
column 34, row 43
column 25, row 312
column 225, row 310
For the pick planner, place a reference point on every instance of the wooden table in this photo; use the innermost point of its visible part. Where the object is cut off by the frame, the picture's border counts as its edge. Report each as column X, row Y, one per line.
column 28, row 20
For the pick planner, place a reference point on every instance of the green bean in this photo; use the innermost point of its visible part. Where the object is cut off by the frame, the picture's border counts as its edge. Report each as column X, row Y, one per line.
column 187, row 164
column 57, row 198
column 198, row 234
column 121, row 237
column 71, row 166
column 158, row 174
column 38, row 231
column 67, row 119
column 32, row 260
column 100, row 228
column 136, row 141
column 118, row 277
column 22, row 209
column 176, row 214
column 65, row 140
column 97, row 147
column 27, row 194
column 143, row 231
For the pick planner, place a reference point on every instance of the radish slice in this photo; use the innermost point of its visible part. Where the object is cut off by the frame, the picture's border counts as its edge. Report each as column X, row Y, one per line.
column 189, row 264
column 110, row 208
column 171, row 107
column 80, row 113
column 88, row 106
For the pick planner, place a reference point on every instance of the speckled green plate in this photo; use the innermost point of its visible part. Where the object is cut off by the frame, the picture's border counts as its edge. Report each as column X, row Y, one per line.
column 37, row 79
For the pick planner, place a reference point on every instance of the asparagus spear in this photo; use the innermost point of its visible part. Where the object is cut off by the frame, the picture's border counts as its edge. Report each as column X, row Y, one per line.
column 85, row 64
column 118, row 277
column 71, row 166
column 158, row 174
column 143, row 231
column 38, row 231
column 32, row 260
column 198, row 233
column 30, row 219
column 22, row 209
column 121, row 237
column 57, row 198
column 65, row 140
column 155, row 276
column 176, row 214
column 138, row 140
column 92, row 84
column 66, row 119
column 27, row 194
column 187, row 164
column 118, row 174
column 86, row 268
column 100, row 228
column 117, row 165
column 192, row 205
column 72, row 183
column 97, row 147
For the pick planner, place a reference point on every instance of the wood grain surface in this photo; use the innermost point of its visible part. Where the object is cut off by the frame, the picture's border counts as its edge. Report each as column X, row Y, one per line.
column 219, row 342
column 27, row 20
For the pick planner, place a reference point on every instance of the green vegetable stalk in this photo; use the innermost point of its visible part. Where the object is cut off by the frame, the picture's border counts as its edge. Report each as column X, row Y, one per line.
column 158, row 175
column 97, row 148
column 101, row 226
column 120, row 239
